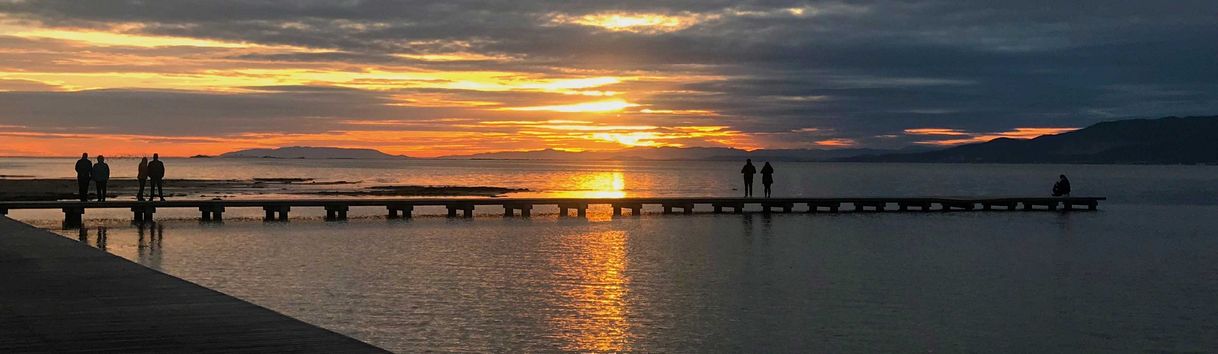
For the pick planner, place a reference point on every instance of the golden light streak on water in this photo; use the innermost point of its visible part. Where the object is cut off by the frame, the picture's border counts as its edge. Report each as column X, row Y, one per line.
column 597, row 185
column 596, row 294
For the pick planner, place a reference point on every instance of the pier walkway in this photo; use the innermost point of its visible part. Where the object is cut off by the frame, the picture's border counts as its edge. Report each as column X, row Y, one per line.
column 336, row 209
column 61, row 296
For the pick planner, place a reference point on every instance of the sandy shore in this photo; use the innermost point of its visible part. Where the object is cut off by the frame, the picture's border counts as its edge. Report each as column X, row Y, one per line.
column 65, row 189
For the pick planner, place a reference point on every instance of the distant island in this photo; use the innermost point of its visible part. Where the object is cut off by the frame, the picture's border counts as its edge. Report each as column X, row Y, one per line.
column 307, row 152
column 1170, row 140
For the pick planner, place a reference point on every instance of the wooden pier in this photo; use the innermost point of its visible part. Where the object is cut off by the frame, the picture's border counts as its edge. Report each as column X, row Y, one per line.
column 336, row 209
column 62, row 296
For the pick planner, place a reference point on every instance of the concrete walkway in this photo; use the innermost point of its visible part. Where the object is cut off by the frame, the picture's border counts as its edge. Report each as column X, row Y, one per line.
column 58, row 295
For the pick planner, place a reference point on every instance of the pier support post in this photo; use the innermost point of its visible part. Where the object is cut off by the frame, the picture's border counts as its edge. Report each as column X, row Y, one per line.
column 876, row 206
column 737, row 208
column 211, row 213
column 636, row 209
column 142, row 214
column 276, row 212
column 467, row 210
column 399, row 210
column 814, row 207
column 686, row 208
column 509, row 210
column 336, row 212
column 909, row 205
column 767, row 207
column 951, row 205
column 73, row 217
column 581, row 209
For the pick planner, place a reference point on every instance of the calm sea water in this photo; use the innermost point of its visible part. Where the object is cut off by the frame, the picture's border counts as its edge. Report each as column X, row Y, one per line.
column 1141, row 274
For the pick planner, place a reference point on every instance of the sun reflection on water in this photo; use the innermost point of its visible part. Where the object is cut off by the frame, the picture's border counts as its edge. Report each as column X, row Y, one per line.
column 596, row 290
column 597, row 185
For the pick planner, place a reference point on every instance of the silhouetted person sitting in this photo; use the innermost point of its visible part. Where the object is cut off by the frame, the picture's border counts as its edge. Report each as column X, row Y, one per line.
column 767, row 178
column 84, row 175
column 156, row 172
column 101, row 176
column 748, row 171
column 142, row 176
column 1062, row 187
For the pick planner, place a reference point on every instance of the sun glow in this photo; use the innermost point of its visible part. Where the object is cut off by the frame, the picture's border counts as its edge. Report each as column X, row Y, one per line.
column 588, row 107
column 635, row 22
column 633, row 139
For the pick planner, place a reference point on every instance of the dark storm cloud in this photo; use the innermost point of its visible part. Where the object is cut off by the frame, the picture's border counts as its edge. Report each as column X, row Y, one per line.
column 862, row 68
column 182, row 113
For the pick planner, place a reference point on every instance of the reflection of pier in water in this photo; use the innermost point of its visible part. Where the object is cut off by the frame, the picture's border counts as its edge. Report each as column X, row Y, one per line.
column 150, row 250
column 149, row 238
column 336, row 209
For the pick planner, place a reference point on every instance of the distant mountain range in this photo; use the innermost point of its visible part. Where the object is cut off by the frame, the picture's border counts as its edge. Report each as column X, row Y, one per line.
column 1171, row 140
column 306, row 152
column 672, row 153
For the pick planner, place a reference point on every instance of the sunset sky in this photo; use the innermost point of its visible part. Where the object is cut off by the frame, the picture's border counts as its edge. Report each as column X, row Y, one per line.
column 459, row 77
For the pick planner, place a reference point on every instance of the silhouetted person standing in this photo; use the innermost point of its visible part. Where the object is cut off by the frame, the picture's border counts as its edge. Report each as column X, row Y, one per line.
column 156, row 172
column 767, row 178
column 142, row 176
column 84, row 175
column 101, row 176
column 748, row 171
column 1062, row 187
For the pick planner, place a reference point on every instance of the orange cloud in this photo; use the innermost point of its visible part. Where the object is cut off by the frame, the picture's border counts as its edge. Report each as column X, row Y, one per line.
column 1017, row 133
column 836, row 143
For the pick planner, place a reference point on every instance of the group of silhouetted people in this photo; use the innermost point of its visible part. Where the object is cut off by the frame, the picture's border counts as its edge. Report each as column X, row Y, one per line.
column 767, row 177
column 99, row 174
